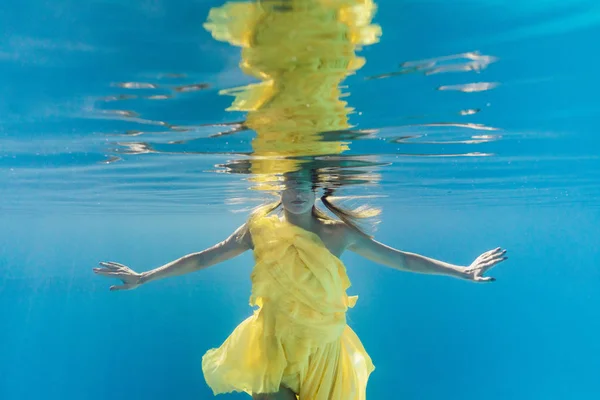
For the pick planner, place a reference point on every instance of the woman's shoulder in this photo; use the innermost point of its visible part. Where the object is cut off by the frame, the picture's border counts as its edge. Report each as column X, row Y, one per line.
column 345, row 234
column 338, row 229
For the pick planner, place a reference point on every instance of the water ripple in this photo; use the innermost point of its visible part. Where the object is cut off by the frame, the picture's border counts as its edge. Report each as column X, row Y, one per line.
column 156, row 139
column 135, row 85
column 464, row 62
column 471, row 87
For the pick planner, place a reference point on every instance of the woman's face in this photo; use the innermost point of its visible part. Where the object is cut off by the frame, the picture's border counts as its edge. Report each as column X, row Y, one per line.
column 298, row 197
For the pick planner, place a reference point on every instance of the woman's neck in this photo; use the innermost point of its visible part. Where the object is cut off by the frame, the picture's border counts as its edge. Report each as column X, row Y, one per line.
column 305, row 221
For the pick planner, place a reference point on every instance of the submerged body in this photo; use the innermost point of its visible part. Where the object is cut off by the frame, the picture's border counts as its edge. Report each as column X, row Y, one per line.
column 297, row 343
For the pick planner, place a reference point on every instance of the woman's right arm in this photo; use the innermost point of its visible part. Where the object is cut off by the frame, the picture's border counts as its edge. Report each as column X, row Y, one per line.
column 237, row 243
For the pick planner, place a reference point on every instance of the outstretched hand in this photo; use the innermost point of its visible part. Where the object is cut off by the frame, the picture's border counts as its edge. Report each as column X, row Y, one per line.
column 484, row 263
column 129, row 277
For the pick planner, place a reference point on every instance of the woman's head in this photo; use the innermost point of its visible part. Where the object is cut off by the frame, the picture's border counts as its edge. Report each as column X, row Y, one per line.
column 298, row 197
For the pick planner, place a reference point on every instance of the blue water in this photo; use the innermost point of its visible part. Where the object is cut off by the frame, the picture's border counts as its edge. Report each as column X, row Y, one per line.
column 73, row 193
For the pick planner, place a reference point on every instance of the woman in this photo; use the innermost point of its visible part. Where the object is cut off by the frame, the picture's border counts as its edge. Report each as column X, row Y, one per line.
column 297, row 343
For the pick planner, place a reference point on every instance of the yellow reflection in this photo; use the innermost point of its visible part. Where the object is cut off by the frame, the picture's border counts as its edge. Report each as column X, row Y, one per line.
column 300, row 50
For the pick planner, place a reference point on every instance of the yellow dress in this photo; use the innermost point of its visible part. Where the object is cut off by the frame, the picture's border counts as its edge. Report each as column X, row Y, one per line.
column 298, row 337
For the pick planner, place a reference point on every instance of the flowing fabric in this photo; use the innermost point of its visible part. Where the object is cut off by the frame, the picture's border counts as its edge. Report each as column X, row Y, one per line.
column 298, row 337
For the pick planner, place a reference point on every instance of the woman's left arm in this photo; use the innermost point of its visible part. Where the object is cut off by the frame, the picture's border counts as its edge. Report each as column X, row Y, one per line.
column 404, row 261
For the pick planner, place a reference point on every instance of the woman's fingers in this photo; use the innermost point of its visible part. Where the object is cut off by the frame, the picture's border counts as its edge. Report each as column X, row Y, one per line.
column 107, row 272
column 489, row 259
column 119, row 271
column 492, row 254
column 485, row 262
column 112, row 265
column 484, row 267
column 489, row 254
column 490, row 263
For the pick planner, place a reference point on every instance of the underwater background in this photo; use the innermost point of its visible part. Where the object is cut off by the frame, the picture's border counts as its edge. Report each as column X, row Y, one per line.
column 472, row 125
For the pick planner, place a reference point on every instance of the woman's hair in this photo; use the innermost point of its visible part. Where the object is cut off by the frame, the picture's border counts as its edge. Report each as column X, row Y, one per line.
column 349, row 217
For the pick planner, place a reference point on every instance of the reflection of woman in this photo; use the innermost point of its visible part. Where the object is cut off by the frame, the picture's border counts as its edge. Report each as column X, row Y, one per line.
column 300, row 50
column 297, row 343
